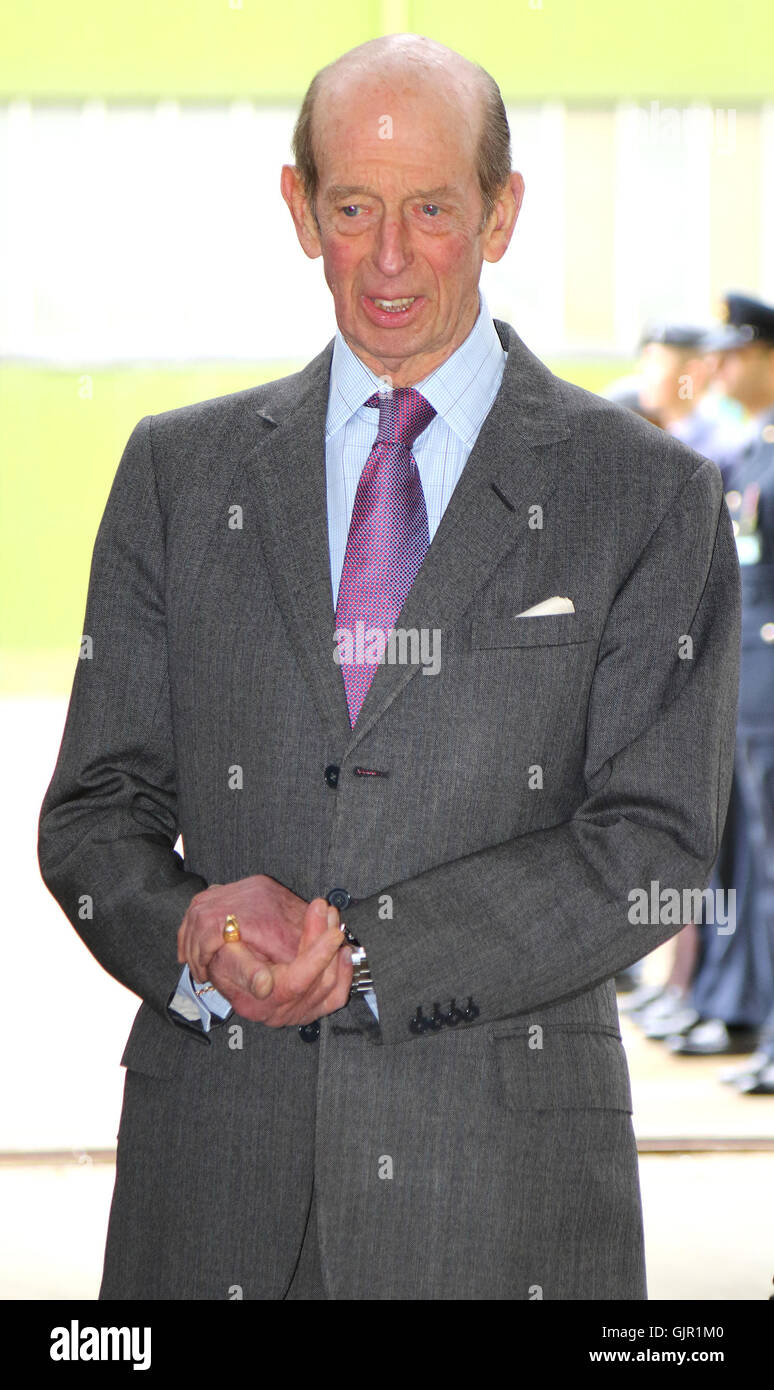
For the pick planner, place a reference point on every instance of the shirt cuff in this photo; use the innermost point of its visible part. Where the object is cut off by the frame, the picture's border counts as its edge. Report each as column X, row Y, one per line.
column 370, row 999
column 197, row 1007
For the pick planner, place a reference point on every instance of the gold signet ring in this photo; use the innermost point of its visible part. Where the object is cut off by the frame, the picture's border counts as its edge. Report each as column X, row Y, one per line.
column 231, row 930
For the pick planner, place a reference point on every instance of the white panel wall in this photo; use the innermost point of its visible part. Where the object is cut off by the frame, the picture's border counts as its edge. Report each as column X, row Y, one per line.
column 526, row 288
column 662, row 222
column 766, row 174
column 152, row 233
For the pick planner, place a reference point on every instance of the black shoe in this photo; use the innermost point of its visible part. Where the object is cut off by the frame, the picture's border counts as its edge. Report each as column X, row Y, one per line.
column 670, row 1013
column 758, row 1083
column 663, row 1001
column 757, row 1062
column 711, row 1037
column 642, row 998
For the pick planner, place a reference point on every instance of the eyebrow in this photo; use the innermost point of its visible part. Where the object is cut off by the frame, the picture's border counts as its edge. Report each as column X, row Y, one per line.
column 338, row 191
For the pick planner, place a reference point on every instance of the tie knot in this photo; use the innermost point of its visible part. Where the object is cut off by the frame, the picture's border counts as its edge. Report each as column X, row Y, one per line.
column 403, row 415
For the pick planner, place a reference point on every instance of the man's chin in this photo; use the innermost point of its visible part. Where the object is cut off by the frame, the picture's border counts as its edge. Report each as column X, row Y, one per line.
column 384, row 350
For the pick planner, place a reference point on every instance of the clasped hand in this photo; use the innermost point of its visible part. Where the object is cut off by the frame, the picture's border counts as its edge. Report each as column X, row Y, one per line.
column 292, row 964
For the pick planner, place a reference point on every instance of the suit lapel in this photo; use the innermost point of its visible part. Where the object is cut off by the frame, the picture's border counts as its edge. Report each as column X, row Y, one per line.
column 478, row 527
column 512, row 454
column 287, row 471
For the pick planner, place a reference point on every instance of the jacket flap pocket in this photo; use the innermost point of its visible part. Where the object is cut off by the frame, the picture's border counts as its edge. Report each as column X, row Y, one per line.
column 154, row 1046
column 561, row 1067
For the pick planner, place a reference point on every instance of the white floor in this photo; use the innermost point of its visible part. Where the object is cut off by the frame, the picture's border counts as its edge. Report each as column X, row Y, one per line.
column 709, row 1225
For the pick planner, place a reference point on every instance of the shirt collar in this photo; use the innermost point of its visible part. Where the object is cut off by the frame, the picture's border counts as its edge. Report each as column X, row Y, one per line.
column 461, row 390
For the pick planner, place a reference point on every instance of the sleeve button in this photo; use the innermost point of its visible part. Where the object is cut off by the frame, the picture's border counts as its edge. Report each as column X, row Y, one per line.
column 471, row 1012
column 435, row 1022
column 454, row 1016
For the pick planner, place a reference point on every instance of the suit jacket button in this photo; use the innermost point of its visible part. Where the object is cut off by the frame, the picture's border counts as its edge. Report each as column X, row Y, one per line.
column 418, row 1023
column 331, row 775
column 435, row 1022
column 309, row 1032
column 340, row 898
column 471, row 1011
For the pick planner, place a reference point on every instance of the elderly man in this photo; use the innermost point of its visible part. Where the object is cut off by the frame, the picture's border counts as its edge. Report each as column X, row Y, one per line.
column 424, row 643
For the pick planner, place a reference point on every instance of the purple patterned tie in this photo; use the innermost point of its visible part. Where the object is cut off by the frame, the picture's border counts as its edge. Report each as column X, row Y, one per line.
column 387, row 541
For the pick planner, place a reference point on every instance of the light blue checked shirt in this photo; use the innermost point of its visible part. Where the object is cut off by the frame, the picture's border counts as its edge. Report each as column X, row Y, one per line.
column 462, row 392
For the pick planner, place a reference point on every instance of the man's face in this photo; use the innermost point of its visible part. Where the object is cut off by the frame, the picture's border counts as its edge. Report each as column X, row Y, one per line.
column 672, row 379
column 400, row 212
column 747, row 374
column 660, row 368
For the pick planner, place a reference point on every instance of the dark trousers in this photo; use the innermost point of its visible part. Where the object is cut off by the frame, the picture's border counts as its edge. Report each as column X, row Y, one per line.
column 735, row 977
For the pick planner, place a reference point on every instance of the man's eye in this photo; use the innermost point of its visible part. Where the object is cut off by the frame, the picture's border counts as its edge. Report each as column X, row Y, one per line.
column 350, row 208
column 432, row 207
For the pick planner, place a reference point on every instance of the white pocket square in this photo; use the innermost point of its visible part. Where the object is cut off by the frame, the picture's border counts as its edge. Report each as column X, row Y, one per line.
column 549, row 606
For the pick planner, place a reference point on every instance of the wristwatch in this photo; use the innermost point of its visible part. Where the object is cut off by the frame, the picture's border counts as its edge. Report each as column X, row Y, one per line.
column 361, row 977
column 361, row 972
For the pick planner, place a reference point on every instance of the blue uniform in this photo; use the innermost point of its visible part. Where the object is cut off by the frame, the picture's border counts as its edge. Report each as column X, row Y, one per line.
column 735, row 980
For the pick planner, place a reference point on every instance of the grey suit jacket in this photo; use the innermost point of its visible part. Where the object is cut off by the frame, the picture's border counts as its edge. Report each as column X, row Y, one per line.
column 552, row 766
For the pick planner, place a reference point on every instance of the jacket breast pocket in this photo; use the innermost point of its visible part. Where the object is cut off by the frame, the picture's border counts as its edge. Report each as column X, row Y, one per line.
column 552, row 630
column 560, row 1067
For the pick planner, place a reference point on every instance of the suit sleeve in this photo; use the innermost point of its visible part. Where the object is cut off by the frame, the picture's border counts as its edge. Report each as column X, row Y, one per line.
column 538, row 919
column 109, row 821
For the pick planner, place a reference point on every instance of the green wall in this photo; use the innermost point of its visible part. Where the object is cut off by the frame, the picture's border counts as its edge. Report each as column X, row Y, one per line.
column 576, row 50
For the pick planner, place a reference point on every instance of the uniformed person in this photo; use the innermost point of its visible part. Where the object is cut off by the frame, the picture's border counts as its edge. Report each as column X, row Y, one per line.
column 673, row 380
column 675, row 370
column 733, row 992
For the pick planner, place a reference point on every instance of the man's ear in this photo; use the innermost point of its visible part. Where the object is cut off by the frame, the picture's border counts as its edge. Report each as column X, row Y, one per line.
column 499, row 229
column 307, row 231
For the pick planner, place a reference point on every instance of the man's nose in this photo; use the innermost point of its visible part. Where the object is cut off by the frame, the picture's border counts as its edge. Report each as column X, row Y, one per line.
column 393, row 245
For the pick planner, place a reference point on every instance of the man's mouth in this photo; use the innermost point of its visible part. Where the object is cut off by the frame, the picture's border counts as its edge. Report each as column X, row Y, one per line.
column 393, row 306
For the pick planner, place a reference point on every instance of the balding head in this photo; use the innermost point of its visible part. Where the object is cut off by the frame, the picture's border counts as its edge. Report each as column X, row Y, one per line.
column 409, row 62
column 402, row 183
